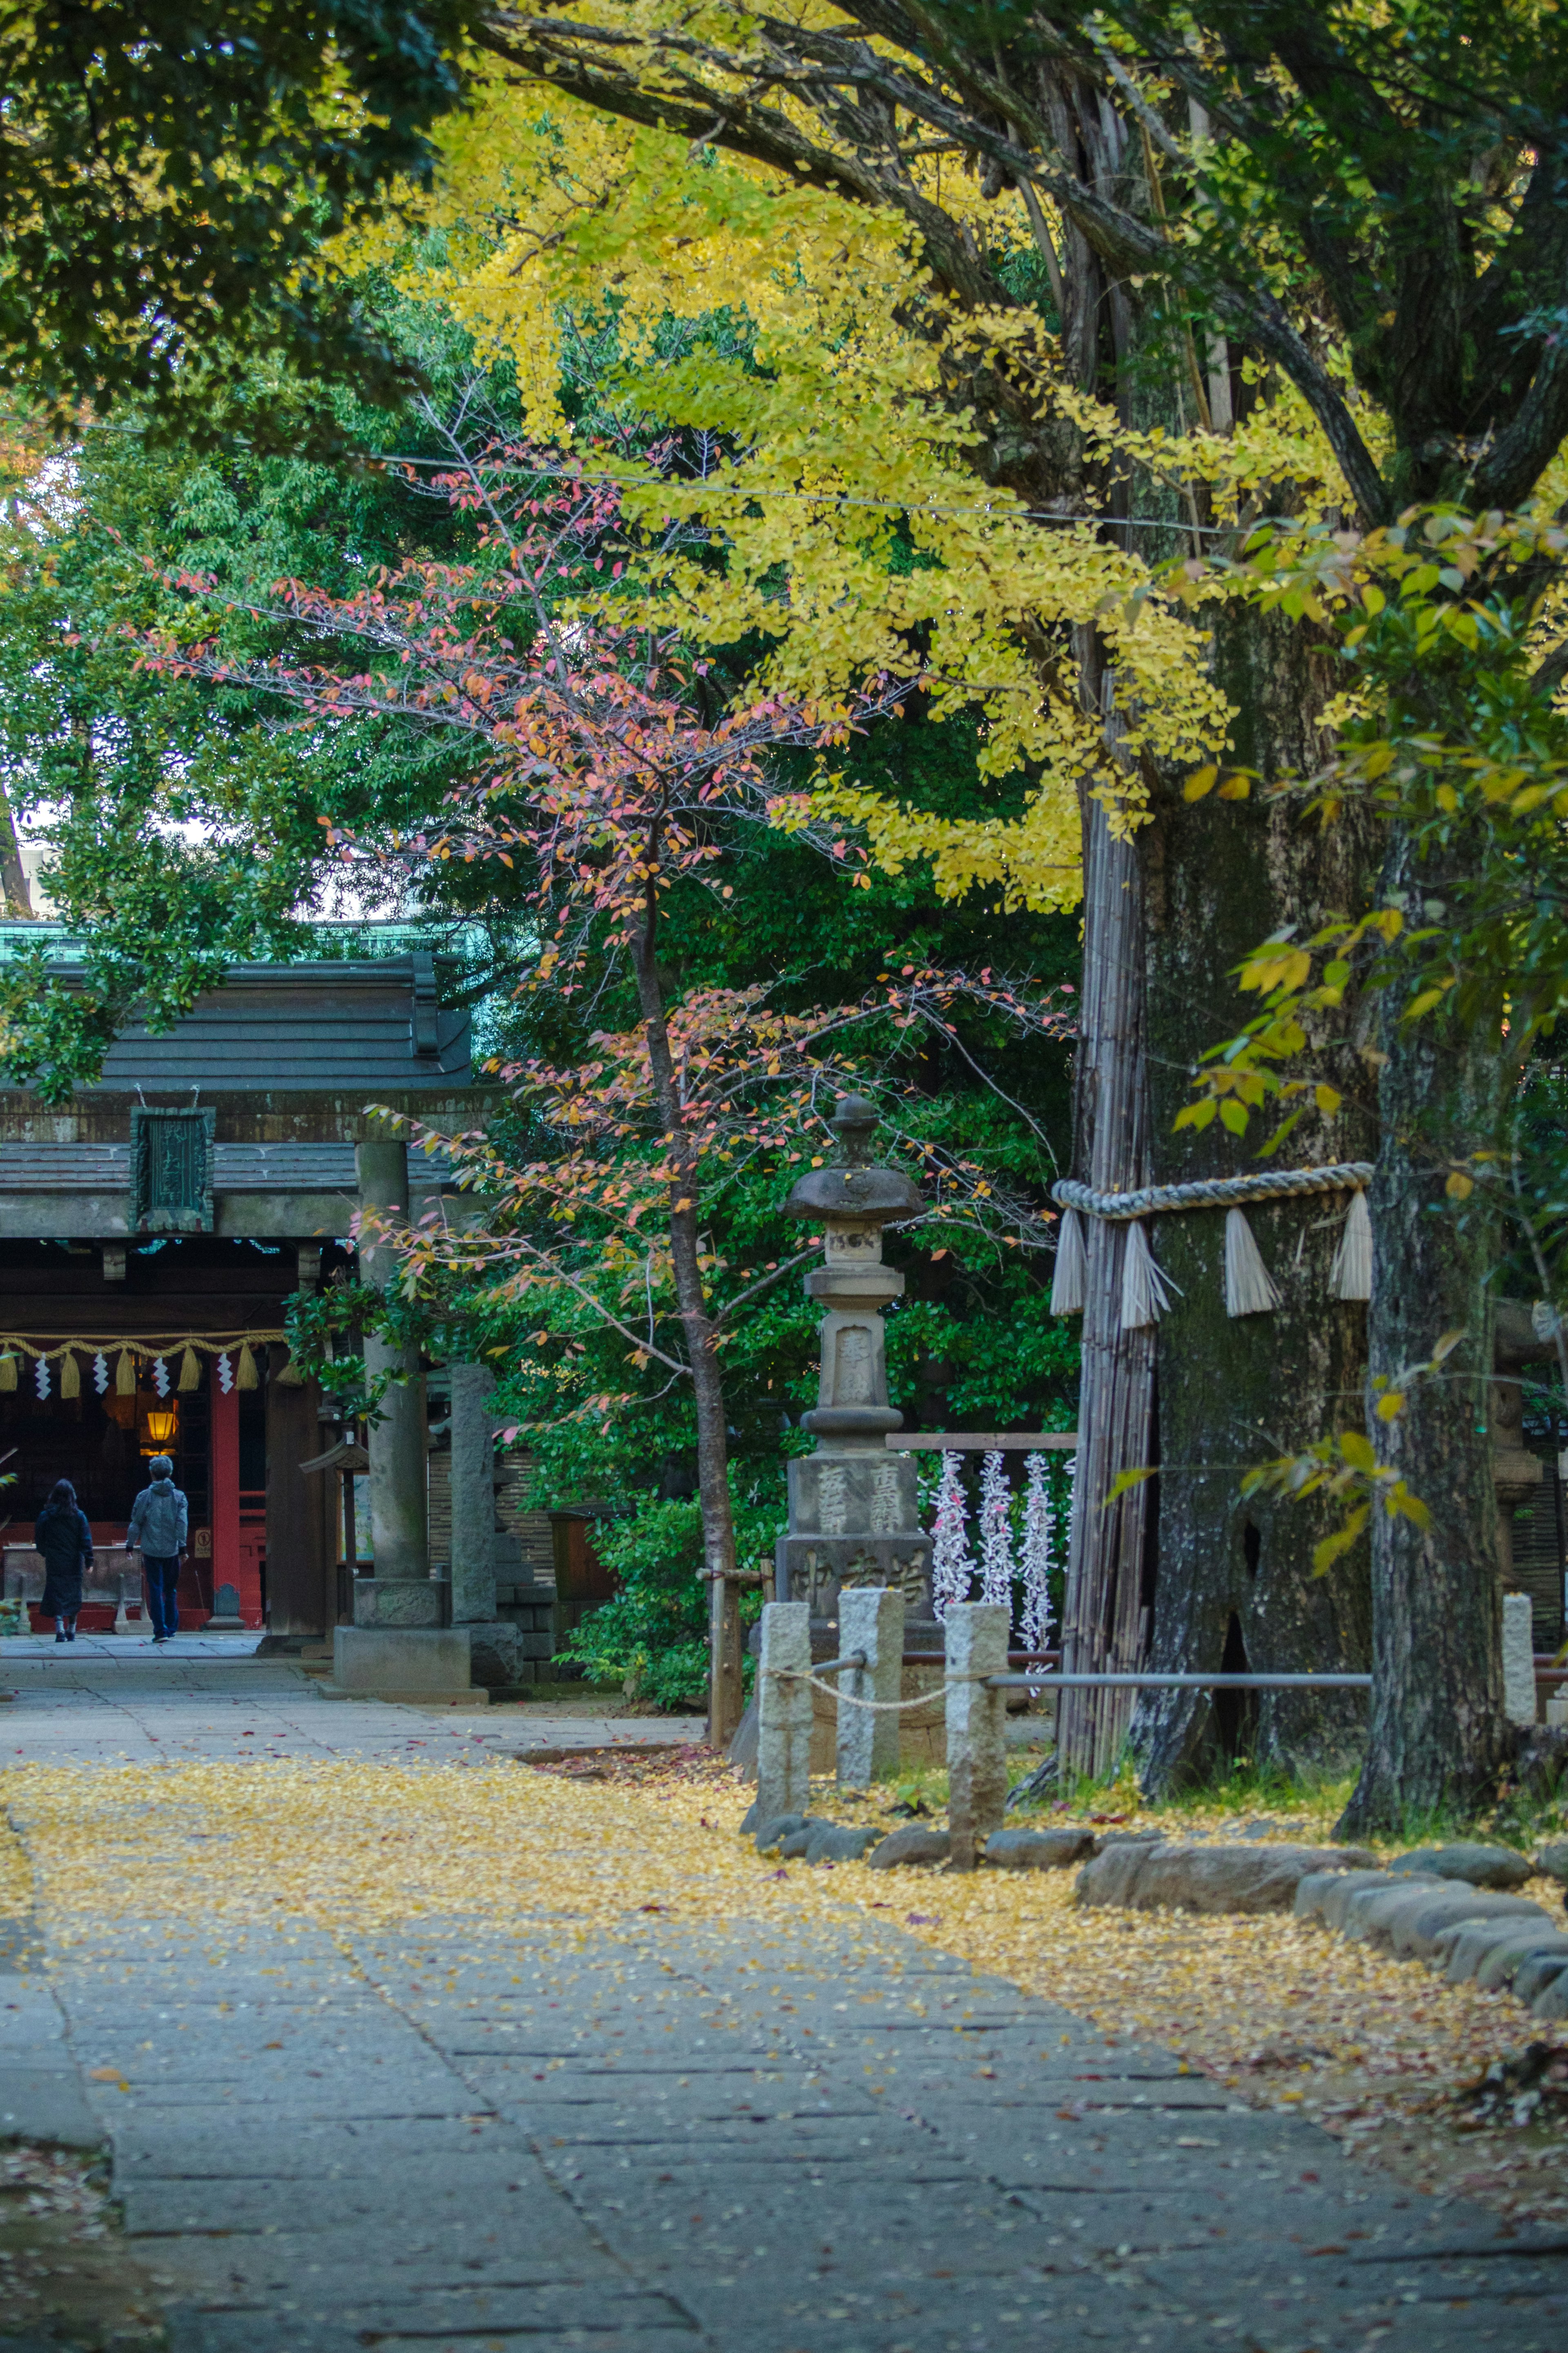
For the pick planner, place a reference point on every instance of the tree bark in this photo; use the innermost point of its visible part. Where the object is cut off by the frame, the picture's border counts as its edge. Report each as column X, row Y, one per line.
column 1102, row 1607
column 691, row 1300
column 12, row 873
column 1235, row 1585
column 1438, row 1732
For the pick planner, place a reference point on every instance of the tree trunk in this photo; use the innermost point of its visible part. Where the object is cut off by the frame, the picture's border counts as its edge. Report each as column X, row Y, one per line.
column 1235, row 1587
column 707, row 1386
column 12, row 873
column 1102, row 1609
column 1437, row 1731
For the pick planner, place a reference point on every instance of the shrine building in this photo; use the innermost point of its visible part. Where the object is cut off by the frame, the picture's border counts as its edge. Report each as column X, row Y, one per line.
column 152, row 1232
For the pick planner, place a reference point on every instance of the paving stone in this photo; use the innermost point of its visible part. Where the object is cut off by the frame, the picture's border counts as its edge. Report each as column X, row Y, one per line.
column 46, row 2105
column 1482, row 1866
column 1038, row 1850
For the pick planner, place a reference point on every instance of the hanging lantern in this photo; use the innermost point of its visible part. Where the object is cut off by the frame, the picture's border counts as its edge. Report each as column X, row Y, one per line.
column 160, row 1429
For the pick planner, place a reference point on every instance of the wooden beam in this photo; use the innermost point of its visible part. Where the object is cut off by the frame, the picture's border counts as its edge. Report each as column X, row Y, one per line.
column 969, row 1441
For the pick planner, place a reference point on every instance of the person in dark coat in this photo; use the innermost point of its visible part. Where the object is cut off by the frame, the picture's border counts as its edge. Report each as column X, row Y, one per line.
column 65, row 1539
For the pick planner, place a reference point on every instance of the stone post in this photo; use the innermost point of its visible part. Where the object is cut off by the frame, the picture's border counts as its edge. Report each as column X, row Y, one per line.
column 493, row 1643
column 783, row 1725
column 397, row 1646
column 976, row 1645
column 870, row 1619
column 1517, row 1659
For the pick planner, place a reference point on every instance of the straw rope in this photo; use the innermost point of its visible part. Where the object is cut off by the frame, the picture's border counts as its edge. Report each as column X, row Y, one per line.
column 1213, row 1192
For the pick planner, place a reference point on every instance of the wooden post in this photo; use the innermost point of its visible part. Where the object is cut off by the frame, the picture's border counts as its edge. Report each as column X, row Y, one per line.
column 297, row 1571
column 726, row 1677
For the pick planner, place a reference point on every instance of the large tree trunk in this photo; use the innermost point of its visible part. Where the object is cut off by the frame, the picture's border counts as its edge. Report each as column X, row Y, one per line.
column 1101, row 1617
column 1235, row 1587
column 1437, row 1729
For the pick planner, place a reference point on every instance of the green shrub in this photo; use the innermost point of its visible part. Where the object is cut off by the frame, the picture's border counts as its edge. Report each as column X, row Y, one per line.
column 652, row 1637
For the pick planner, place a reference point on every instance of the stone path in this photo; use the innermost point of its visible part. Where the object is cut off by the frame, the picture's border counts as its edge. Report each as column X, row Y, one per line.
column 796, row 2138
column 106, row 1698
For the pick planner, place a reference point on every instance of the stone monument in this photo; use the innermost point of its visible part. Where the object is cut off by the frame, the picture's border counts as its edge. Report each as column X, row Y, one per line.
column 397, row 1646
column 854, row 1516
column 492, row 1642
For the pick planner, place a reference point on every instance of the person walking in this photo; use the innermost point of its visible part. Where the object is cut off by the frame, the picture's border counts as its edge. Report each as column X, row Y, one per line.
column 65, row 1539
column 159, row 1524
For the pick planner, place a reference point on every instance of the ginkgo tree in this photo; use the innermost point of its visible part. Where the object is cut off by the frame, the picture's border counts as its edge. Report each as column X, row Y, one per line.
column 1042, row 298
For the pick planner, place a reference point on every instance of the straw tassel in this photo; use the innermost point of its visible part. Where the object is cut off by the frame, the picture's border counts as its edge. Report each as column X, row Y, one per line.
column 125, row 1375
column 1249, row 1288
column 1350, row 1277
column 190, row 1369
column 248, row 1377
column 70, row 1376
column 290, row 1377
column 7, row 1371
column 1145, row 1292
column 1069, row 1284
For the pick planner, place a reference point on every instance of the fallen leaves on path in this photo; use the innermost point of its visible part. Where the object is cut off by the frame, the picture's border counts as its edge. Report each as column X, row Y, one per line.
column 1283, row 2011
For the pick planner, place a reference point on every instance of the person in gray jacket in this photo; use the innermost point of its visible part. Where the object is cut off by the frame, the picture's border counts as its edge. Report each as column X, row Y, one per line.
column 159, row 1525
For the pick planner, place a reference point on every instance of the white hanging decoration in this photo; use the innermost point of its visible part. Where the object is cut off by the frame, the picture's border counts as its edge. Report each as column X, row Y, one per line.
column 951, row 1569
column 1040, row 1541
column 995, row 1536
column 225, row 1373
column 1070, row 1283
column 41, row 1376
column 1249, row 1288
column 1145, row 1292
column 1351, row 1275
column 101, row 1373
column 159, row 1376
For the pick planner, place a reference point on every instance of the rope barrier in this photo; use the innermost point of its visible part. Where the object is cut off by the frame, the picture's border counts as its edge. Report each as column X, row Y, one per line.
column 1213, row 1192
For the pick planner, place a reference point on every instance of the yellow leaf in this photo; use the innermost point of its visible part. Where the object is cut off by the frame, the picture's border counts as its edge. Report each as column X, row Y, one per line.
column 1459, row 1187
column 1357, row 1451
column 1235, row 789
column 1201, row 781
column 1391, row 1406
column 1324, row 1554
column 1233, row 1116
column 1328, row 1100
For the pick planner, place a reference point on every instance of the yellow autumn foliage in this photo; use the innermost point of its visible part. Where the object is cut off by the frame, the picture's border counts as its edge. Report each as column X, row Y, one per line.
column 850, row 496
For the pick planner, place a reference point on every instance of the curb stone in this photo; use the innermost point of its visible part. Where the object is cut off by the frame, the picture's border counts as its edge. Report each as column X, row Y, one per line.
column 1458, row 1930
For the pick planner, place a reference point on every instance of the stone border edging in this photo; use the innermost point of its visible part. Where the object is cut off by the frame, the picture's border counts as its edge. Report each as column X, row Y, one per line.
column 1507, row 1944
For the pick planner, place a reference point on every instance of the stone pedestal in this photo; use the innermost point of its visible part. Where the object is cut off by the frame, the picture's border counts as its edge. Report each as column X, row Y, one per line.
column 853, row 1515
column 226, row 1618
column 390, row 1663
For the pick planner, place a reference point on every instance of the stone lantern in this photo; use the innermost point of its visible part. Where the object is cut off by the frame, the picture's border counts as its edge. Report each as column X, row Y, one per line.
column 853, row 1510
